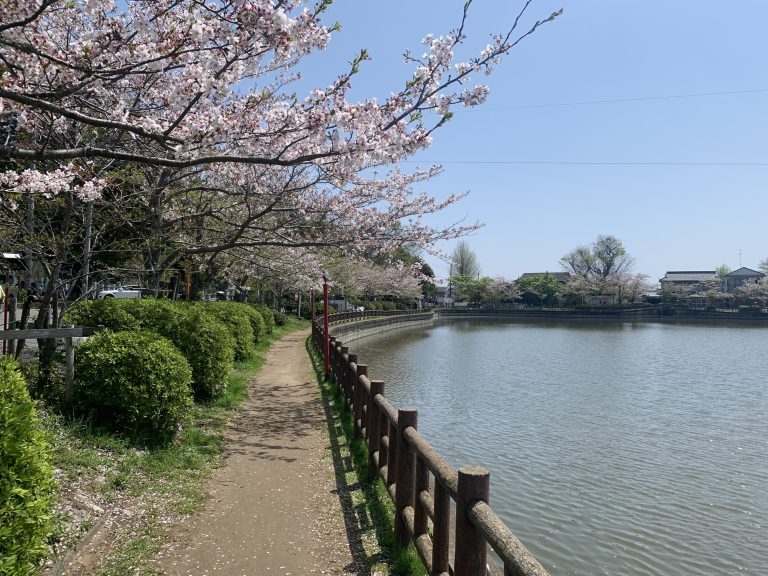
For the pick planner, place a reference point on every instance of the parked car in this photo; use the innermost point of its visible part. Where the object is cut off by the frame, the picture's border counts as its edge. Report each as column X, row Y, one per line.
column 121, row 292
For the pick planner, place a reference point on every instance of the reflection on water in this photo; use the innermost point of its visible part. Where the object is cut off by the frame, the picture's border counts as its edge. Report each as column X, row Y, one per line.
column 614, row 448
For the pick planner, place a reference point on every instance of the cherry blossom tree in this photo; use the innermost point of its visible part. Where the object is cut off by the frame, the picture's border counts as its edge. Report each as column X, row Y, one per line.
column 197, row 99
column 503, row 290
column 185, row 83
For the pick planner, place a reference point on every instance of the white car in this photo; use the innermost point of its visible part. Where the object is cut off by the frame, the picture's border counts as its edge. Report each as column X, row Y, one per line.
column 121, row 292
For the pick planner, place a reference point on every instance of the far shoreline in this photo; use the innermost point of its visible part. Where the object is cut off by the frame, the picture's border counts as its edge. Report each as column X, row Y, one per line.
column 657, row 314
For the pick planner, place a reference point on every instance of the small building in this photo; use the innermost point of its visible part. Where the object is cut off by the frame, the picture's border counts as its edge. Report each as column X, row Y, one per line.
column 601, row 300
column 442, row 296
column 12, row 268
column 739, row 277
column 687, row 278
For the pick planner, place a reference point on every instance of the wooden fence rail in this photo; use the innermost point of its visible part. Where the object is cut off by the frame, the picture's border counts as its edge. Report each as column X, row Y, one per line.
column 420, row 482
column 67, row 334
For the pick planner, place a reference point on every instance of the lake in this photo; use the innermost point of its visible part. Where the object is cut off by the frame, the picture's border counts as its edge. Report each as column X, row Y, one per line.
column 631, row 449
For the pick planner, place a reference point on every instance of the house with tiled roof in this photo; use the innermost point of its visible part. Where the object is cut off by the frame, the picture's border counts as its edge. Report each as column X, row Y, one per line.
column 686, row 278
column 739, row 277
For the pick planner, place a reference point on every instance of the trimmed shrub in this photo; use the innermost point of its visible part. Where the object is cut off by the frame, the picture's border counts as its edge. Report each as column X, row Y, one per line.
column 135, row 383
column 204, row 340
column 280, row 318
column 208, row 347
column 160, row 316
column 267, row 315
column 387, row 305
column 256, row 320
column 231, row 314
column 26, row 478
column 112, row 313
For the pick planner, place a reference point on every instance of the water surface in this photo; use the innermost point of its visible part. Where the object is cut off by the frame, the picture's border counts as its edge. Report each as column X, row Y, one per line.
column 627, row 449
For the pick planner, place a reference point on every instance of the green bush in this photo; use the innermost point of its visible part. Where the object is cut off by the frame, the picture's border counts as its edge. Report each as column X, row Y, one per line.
column 256, row 320
column 204, row 340
column 387, row 305
column 26, row 478
column 160, row 316
column 231, row 314
column 280, row 318
column 208, row 347
column 268, row 315
column 112, row 313
column 135, row 383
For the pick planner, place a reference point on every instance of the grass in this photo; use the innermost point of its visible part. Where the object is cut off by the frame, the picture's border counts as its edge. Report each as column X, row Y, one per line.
column 374, row 511
column 148, row 489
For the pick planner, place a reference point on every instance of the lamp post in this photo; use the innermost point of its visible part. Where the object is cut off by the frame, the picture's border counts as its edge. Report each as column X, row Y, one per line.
column 326, row 336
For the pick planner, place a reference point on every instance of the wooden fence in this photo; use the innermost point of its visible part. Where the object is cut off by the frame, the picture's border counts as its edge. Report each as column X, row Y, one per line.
column 67, row 334
column 407, row 463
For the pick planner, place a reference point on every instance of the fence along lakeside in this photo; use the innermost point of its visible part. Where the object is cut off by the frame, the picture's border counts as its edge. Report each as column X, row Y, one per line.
column 405, row 460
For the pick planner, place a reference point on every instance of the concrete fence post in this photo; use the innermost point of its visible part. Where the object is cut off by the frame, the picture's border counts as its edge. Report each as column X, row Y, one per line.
column 471, row 547
column 372, row 425
column 405, row 477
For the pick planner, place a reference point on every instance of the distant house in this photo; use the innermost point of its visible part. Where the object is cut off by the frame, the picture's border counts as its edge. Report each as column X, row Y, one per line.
column 739, row 277
column 687, row 278
column 601, row 300
column 442, row 296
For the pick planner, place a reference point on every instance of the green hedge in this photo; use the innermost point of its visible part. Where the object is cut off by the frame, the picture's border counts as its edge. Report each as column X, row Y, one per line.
column 26, row 478
column 204, row 340
column 256, row 320
column 231, row 314
column 268, row 315
column 112, row 313
column 135, row 383
column 160, row 316
column 208, row 347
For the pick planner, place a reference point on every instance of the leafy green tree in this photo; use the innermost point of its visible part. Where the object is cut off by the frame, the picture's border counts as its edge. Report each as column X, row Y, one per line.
column 471, row 289
column 544, row 286
column 723, row 270
column 464, row 261
column 427, row 284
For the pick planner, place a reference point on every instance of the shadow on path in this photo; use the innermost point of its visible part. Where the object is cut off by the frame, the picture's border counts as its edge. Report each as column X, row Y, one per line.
column 363, row 520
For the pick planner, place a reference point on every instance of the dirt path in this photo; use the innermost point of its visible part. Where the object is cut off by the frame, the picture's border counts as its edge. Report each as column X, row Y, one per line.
column 273, row 507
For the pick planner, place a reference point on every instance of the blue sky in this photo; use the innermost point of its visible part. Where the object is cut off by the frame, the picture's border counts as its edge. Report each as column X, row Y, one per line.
column 669, row 216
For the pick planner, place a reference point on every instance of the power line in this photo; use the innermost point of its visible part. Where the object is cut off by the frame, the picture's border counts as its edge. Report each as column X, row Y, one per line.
column 598, row 163
column 617, row 100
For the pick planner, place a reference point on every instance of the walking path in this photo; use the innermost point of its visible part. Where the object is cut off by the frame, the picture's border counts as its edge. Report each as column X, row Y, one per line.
column 274, row 508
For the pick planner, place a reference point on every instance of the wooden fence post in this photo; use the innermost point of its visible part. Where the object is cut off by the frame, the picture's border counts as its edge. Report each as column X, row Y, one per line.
column 344, row 374
column 442, row 529
column 405, row 479
column 421, row 519
column 354, row 389
column 372, row 426
column 331, row 353
column 471, row 547
column 69, row 370
column 392, row 455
